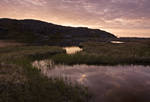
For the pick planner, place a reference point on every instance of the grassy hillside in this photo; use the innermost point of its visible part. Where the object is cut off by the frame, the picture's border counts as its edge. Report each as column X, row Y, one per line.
column 38, row 32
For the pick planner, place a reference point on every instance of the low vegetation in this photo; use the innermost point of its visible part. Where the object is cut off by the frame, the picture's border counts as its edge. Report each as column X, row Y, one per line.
column 109, row 54
column 20, row 82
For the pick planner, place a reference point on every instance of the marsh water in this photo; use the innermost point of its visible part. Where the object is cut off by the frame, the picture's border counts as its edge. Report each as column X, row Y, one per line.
column 117, row 42
column 106, row 83
column 72, row 49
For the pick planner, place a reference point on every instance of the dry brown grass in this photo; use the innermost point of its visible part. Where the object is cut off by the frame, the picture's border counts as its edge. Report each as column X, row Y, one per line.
column 12, row 73
column 6, row 43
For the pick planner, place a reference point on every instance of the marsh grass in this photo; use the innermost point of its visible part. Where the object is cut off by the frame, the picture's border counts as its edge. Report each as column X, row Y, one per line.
column 137, row 53
column 27, row 84
column 24, row 83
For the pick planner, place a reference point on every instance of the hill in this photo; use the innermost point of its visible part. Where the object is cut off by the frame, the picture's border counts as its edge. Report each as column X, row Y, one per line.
column 39, row 32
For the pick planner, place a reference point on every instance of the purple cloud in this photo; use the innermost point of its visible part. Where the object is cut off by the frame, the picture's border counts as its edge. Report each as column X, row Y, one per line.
column 115, row 14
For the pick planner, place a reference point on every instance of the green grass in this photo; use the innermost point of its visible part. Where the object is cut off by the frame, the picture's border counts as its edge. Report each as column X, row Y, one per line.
column 137, row 53
column 20, row 82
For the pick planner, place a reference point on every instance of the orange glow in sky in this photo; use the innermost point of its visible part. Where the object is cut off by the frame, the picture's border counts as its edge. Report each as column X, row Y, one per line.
column 124, row 18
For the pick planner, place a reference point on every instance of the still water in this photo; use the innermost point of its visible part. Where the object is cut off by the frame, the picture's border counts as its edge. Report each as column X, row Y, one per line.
column 72, row 50
column 117, row 42
column 107, row 83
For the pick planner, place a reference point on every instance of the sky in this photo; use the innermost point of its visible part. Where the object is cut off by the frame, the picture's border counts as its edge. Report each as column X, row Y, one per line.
column 124, row 18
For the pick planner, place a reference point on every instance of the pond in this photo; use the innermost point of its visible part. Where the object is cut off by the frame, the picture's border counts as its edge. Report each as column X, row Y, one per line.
column 117, row 42
column 107, row 83
column 72, row 49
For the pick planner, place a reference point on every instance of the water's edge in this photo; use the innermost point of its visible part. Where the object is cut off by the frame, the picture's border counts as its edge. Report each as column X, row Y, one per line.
column 124, row 83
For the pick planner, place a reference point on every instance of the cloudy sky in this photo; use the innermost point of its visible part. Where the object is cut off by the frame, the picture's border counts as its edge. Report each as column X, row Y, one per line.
column 121, row 17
